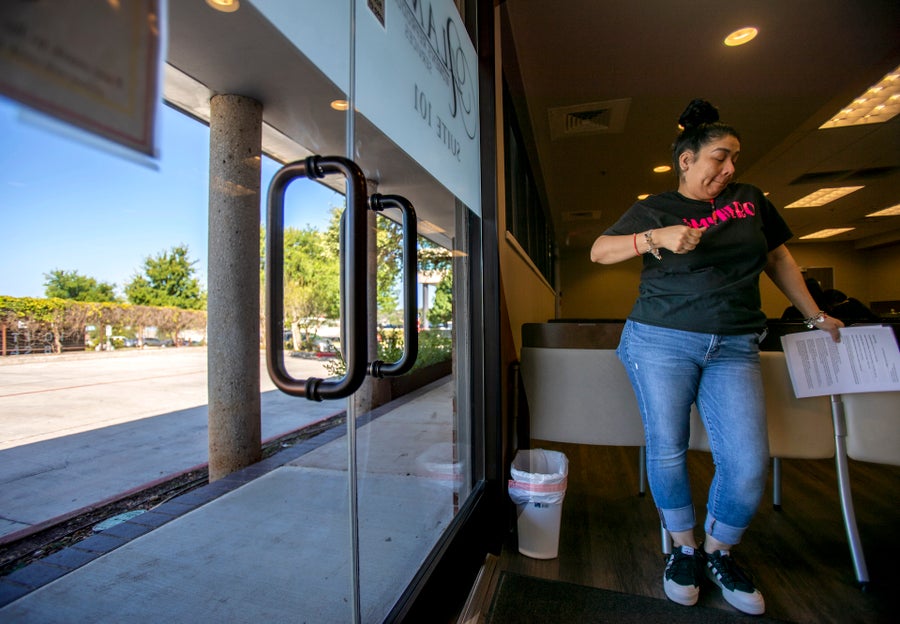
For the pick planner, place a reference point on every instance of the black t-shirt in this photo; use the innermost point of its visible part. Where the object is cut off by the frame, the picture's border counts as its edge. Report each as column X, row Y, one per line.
column 714, row 289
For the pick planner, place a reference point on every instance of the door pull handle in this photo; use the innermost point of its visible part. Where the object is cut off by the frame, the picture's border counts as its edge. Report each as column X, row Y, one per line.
column 378, row 369
column 353, row 301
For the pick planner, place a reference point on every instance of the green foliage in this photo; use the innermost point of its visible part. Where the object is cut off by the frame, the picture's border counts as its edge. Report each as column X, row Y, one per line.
column 311, row 275
column 65, row 317
column 436, row 259
column 168, row 281
column 435, row 346
column 14, row 309
column 389, row 265
column 441, row 310
column 72, row 285
column 433, row 257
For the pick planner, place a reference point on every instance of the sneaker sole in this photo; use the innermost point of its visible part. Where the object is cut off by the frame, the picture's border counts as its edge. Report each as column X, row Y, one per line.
column 680, row 594
column 736, row 600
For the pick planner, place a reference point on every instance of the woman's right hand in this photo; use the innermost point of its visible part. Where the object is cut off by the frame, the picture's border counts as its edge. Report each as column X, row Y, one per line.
column 679, row 239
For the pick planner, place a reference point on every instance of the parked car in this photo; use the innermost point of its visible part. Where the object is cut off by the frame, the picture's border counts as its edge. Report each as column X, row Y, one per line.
column 325, row 347
column 156, row 342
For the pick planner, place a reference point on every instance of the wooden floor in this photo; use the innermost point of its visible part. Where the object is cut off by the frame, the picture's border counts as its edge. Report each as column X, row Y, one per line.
column 798, row 556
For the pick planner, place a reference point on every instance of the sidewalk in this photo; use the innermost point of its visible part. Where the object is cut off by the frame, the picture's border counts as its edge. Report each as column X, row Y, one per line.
column 270, row 542
column 78, row 429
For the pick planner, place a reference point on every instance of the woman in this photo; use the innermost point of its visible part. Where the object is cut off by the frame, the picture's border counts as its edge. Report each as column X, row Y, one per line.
column 692, row 337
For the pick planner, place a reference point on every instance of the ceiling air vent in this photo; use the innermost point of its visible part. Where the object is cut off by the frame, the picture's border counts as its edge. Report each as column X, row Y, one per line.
column 591, row 118
column 582, row 215
column 844, row 175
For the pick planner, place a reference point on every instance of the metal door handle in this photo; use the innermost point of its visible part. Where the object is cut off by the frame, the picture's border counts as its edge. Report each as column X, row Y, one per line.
column 378, row 368
column 353, row 302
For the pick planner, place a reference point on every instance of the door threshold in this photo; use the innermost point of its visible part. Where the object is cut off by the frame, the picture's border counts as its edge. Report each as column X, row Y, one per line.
column 482, row 593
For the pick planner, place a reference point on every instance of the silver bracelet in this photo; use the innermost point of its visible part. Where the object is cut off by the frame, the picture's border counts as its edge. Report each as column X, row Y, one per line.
column 648, row 237
column 815, row 319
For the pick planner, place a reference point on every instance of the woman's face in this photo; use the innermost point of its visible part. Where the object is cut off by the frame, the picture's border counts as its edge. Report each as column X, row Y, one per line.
column 705, row 174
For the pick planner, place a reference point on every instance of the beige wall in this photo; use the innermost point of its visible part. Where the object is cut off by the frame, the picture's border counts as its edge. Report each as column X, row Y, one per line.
column 529, row 297
column 594, row 291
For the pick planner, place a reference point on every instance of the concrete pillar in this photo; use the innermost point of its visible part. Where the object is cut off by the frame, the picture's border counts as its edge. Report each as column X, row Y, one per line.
column 235, row 149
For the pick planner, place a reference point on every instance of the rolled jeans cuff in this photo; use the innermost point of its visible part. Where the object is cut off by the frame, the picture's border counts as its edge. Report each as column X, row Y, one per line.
column 676, row 520
column 724, row 533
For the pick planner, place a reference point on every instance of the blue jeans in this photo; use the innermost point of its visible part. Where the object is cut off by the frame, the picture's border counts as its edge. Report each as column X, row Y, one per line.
column 670, row 369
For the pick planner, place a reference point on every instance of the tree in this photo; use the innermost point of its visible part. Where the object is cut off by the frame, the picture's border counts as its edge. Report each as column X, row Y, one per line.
column 311, row 281
column 389, row 262
column 168, row 281
column 76, row 287
column 436, row 259
column 441, row 310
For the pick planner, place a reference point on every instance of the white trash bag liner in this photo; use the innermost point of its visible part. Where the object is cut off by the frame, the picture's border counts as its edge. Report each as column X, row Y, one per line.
column 538, row 476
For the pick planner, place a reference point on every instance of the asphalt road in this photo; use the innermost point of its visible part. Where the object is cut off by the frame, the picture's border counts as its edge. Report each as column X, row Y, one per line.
column 78, row 429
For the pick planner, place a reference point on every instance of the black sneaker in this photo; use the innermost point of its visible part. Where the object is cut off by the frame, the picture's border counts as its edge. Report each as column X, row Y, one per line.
column 684, row 571
column 737, row 588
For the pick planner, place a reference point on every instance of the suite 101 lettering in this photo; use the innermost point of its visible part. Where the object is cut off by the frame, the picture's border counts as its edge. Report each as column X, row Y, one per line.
column 422, row 105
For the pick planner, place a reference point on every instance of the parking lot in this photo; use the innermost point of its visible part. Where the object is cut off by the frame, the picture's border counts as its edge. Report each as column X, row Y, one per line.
column 81, row 428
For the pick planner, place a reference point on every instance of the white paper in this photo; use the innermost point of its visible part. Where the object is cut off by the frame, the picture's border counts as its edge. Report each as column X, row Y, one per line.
column 865, row 360
column 95, row 65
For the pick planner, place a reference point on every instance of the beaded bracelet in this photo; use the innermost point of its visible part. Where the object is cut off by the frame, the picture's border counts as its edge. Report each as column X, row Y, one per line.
column 648, row 236
column 815, row 319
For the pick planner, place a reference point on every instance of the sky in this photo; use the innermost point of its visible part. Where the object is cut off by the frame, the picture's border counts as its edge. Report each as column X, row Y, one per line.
column 71, row 206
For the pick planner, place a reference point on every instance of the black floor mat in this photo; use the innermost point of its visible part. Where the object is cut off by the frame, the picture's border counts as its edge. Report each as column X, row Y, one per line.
column 525, row 600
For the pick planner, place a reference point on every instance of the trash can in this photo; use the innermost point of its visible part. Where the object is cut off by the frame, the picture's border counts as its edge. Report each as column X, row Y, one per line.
column 538, row 487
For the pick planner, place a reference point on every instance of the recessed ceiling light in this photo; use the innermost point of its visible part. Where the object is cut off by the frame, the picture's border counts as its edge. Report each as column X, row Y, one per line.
column 662, row 169
column 741, row 36
column 340, row 105
column 643, row 196
column 823, row 196
column 827, row 233
column 893, row 211
column 225, row 6
column 878, row 104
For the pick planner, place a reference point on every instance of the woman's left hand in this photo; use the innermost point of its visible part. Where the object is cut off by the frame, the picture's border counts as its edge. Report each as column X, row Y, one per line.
column 832, row 326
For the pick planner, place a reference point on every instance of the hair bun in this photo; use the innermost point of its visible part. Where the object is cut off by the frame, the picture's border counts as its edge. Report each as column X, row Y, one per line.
column 698, row 112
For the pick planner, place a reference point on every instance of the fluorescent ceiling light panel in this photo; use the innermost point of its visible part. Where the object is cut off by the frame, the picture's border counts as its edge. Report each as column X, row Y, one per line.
column 823, row 196
column 826, row 233
column 878, row 104
column 893, row 211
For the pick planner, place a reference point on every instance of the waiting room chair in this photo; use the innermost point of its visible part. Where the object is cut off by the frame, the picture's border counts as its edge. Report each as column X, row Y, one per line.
column 867, row 428
column 582, row 396
column 873, row 427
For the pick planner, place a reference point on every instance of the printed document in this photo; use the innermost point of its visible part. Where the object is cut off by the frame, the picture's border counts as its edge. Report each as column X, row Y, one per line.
column 865, row 360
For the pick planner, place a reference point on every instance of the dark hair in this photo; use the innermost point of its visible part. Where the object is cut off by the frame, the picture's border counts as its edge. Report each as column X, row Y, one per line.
column 700, row 124
column 833, row 297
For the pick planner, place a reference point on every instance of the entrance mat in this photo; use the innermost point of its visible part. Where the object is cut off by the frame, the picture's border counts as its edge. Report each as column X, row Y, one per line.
column 526, row 600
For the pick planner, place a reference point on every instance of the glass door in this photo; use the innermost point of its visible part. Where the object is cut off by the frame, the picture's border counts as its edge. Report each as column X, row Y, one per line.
column 405, row 465
column 415, row 134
